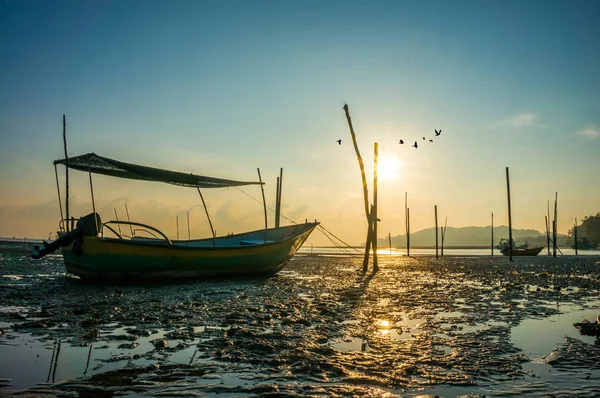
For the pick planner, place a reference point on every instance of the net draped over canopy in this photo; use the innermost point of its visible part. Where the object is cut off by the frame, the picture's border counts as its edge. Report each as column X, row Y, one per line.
column 100, row 165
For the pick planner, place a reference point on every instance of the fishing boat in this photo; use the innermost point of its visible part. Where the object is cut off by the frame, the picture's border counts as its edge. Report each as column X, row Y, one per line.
column 584, row 244
column 516, row 245
column 534, row 251
column 93, row 249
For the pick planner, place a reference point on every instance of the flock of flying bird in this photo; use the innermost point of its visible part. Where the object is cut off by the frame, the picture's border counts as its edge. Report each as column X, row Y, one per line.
column 415, row 145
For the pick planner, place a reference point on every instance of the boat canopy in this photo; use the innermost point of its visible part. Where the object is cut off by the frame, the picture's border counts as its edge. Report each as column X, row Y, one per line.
column 93, row 163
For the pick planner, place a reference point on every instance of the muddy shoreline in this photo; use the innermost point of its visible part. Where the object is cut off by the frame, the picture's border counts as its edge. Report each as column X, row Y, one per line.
column 320, row 327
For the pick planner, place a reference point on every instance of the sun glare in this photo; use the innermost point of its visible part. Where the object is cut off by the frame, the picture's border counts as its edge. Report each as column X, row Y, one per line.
column 388, row 168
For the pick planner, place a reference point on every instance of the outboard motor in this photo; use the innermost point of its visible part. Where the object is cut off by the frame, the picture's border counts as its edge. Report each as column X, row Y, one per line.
column 86, row 226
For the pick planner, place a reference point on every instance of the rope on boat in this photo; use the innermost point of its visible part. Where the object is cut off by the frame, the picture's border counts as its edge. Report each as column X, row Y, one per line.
column 328, row 234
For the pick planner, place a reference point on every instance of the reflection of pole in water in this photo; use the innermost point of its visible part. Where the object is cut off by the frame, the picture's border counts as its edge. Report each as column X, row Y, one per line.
column 51, row 362
column 55, row 362
column 88, row 360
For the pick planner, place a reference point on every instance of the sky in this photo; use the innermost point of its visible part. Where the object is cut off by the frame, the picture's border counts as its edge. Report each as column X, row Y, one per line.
column 221, row 88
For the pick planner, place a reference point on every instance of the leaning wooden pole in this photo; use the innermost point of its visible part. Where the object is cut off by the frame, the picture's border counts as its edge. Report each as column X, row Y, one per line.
column 66, row 173
column 279, row 197
column 212, row 230
column 555, row 225
column 365, row 190
column 575, row 235
column 492, row 246
column 374, row 218
column 510, row 240
column 436, row 231
column 390, row 242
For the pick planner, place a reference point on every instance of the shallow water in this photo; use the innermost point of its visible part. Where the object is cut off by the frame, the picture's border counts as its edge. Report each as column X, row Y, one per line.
column 460, row 325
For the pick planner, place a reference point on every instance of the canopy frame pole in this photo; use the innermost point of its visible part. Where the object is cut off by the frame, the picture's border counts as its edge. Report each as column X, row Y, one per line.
column 128, row 219
column 262, row 189
column 119, row 224
column 207, row 216
column 93, row 202
column 61, row 226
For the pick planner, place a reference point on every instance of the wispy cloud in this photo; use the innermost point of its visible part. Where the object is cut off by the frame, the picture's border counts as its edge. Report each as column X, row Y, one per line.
column 521, row 120
column 589, row 133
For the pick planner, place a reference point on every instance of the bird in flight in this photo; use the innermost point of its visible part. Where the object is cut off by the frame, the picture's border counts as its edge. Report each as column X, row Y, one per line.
column 401, row 142
column 423, row 138
column 437, row 132
column 339, row 142
column 415, row 145
column 430, row 140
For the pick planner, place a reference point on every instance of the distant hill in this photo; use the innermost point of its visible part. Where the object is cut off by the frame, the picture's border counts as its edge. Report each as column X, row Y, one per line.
column 471, row 236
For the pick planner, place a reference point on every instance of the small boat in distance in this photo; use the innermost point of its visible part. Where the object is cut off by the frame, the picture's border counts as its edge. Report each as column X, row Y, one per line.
column 584, row 244
column 89, row 253
column 534, row 251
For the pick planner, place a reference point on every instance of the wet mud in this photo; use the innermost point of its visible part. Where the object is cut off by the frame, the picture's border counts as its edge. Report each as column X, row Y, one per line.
column 321, row 327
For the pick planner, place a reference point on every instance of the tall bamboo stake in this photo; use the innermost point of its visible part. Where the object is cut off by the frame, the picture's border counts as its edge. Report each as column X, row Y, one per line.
column 279, row 196
column 408, row 231
column 374, row 218
column 548, row 228
column 277, row 204
column 93, row 201
column 492, row 246
column 555, row 225
column 61, row 226
column 390, row 241
column 510, row 241
column 262, row 190
column 575, row 235
column 188, row 221
column 365, row 190
column 66, row 173
column 436, row 231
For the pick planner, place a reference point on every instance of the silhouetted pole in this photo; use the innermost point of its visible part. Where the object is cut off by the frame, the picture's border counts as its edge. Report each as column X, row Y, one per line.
column 548, row 228
column 554, row 225
column 188, row 220
column 492, row 247
column 262, row 190
column 408, row 231
column 279, row 197
column 277, row 205
column 365, row 190
column 374, row 218
column 509, row 217
column 66, row 173
column 390, row 241
column 575, row 235
column 436, row 231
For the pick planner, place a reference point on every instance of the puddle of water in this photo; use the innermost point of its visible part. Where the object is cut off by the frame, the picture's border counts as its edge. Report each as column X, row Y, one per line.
column 350, row 344
column 539, row 337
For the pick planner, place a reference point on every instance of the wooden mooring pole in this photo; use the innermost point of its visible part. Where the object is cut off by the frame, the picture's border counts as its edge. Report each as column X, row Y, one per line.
column 492, row 246
column 548, row 228
column 68, row 227
column 555, row 225
column 510, row 240
column 575, row 235
column 374, row 219
column 436, row 231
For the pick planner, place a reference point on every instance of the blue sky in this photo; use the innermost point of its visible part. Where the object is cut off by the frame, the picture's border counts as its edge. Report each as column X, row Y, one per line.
column 220, row 88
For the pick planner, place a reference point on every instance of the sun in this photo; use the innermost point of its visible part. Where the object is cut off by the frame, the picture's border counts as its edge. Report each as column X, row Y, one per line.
column 388, row 168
